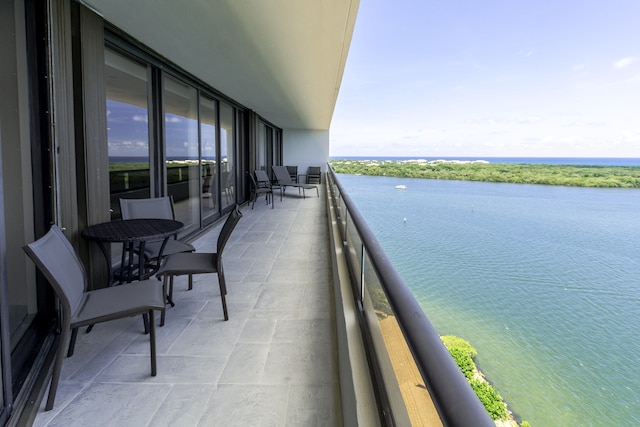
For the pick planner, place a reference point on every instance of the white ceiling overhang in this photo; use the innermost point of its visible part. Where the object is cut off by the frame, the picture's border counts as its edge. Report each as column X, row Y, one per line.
column 284, row 59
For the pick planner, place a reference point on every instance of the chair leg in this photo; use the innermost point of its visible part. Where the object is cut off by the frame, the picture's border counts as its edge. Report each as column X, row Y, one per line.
column 145, row 320
column 166, row 297
column 72, row 342
column 152, row 340
column 57, row 367
column 223, row 292
column 171, row 290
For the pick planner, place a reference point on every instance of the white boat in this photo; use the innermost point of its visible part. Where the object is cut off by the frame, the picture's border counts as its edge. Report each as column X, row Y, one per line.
column 400, row 187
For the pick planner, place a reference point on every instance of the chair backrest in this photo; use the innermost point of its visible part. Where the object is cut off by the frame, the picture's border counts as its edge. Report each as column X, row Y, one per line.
column 293, row 172
column 260, row 180
column 282, row 175
column 254, row 184
column 262, row 176
column 157, row 207
column 55, row 257
column 227, row 228
column 313, row 175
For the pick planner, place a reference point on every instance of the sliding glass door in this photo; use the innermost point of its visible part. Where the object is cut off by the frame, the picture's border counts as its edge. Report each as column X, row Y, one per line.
column 169, row 135
column 181, row 150
column 127, row 88
column 209, row 159
column 227, row 155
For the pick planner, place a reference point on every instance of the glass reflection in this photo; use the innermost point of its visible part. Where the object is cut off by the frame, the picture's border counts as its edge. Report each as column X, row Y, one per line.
column 208, row 161
column 127, row 129
column 181, row 144
column 227, row 152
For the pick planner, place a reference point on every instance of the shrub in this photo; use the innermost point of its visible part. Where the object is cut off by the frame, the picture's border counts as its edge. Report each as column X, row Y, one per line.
column 451, row 341
column 490, row 398
column 463, row 354
column 465, row 363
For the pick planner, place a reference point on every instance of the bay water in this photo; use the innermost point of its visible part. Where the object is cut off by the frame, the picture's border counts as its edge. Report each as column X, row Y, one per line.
column 544, row 281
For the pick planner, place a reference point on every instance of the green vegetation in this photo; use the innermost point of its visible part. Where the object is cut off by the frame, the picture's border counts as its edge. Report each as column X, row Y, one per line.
column 453, row 342
column 490, row 398
column 464, row 361
column 128, row 166
column 463, row 353
column 568, row 175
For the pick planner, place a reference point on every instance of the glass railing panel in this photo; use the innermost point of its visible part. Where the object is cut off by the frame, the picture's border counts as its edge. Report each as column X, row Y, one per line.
column 410, row 401
column 343, row 214
column 354, row 255
column 380, row 320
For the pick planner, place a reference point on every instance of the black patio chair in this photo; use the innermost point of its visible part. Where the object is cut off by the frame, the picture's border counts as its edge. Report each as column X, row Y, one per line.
column 55, row 257
column 201, row 263
column 157, row 207
column 259, row 188
column 293, row 173
column 263, row 180
column 284, row 180
column 314, row 175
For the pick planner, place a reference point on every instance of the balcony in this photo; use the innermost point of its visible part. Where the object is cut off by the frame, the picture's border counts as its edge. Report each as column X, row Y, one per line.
column 298, row 348
column 273, row 361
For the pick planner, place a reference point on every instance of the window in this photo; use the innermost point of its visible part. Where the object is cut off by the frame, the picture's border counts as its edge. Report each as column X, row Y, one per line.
column 268, row 147
column 128, row 115
column 208, row 159
column 261, row 161
column 169, row 134
column 227, row 155
column 181, row 150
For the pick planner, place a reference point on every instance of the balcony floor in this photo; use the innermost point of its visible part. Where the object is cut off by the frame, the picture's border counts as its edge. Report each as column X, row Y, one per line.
column 272, row 364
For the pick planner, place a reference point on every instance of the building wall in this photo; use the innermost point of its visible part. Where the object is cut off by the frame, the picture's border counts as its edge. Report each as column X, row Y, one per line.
column 304, row 148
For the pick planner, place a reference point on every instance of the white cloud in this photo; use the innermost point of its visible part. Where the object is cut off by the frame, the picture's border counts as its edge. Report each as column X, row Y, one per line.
column 140, row 118
column 629, row 137
column 129, row 148
column 624, row 62
column 529, row 120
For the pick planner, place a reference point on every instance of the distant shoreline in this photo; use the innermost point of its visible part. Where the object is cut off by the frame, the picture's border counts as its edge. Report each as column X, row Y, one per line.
column 584, row 161
column 594, row 176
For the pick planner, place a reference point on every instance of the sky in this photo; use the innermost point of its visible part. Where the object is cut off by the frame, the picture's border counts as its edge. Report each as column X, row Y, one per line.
column 491, row 78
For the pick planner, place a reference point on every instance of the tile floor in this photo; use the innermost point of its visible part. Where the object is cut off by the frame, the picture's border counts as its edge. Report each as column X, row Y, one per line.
column 272, row 364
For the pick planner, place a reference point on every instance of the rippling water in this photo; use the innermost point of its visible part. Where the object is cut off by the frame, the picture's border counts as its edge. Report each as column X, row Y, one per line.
column 543, row 281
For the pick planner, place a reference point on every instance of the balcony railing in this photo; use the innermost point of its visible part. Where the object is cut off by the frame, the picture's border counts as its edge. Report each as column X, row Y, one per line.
column 411, row 368
column 130, row 182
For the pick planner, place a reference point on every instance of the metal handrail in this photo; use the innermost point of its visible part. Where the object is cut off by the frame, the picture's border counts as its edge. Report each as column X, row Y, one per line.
column 453, row 397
